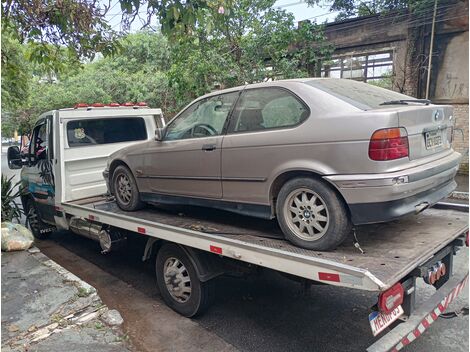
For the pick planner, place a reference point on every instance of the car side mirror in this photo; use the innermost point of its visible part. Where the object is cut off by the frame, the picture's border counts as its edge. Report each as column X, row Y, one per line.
column 159, row 134
column 14, row 158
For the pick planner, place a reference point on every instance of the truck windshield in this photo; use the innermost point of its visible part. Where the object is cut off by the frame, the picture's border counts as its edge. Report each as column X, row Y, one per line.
column 362, row 95
column 105, row 130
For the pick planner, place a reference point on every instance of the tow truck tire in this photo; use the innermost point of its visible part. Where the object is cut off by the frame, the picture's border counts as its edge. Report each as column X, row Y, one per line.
column 179, row 284
column 125, row 189
column 311, row 215
column 39, row 229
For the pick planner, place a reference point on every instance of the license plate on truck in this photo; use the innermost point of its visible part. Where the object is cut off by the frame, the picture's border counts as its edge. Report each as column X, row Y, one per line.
column 379, row 321
column 433, row 139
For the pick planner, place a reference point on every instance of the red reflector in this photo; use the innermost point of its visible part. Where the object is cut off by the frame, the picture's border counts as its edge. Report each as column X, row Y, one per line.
column 215, row 249
column 466, row 239
column 114, row 104
column 141, row 230
column 97, row 105
column 128, row 104
column 388, row 144
column 80, row 105
column 142, row 103
column 91, row 217
column 328, row 277
column 391, row 299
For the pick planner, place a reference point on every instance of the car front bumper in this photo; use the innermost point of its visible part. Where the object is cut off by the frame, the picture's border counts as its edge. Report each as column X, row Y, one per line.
column 376, row 198
column 106, row 178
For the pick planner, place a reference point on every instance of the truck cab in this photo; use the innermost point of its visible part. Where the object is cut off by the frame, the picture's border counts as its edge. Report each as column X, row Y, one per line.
column 64, row 156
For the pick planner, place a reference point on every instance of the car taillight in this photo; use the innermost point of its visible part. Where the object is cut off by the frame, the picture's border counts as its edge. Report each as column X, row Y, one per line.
column 391, row 299
column 388, row 144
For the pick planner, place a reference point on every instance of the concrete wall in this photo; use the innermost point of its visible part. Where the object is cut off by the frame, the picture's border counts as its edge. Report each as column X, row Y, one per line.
column 461, row 134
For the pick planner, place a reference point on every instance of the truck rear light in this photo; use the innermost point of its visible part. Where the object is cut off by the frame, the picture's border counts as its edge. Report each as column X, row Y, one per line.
column 114, row 105
column 388, row 144
column 391, row 299
column 80, row 105
column 442, row 270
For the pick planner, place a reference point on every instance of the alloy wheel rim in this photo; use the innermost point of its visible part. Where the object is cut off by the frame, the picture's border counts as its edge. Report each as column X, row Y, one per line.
column 306, row 214
column 124, row 191
column 177, row 280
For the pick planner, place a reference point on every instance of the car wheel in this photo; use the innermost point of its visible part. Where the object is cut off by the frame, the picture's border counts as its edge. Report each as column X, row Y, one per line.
column 311, row 215
column 179, row 284
column 125, row 189
column 39, row 229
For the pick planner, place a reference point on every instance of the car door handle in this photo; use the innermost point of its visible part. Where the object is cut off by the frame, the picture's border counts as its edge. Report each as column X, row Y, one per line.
column 209, row 147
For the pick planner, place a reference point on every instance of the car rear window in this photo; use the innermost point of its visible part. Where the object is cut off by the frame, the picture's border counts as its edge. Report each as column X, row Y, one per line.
column 362, row 95
column 105, row 131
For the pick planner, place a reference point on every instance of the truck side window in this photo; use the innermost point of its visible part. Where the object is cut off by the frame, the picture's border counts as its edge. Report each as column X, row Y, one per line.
column 105, row 131
column 40, row 141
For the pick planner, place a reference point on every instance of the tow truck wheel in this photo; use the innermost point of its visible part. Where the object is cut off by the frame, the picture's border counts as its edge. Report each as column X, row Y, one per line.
column 39, row 229
column 179, row 284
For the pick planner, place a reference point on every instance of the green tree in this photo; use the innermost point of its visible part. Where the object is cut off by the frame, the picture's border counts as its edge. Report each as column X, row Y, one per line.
column 249, row 42
column 15, row 73
column 137, row 74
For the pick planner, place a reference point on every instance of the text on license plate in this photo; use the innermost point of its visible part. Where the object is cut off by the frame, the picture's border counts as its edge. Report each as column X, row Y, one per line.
column 433, row 139
column 379, row 321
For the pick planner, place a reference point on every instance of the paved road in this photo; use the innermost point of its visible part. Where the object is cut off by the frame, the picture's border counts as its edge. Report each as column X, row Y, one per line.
column 267, row 312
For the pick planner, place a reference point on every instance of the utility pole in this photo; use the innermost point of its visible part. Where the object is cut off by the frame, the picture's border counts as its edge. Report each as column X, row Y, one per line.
column 431, row 45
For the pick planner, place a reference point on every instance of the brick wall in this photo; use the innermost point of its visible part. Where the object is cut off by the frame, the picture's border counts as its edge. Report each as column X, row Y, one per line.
column 461, row 134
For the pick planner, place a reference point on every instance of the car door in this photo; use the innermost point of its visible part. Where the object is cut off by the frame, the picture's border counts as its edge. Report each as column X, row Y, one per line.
column 39, row 170
column 261, row 137
column 187, row 161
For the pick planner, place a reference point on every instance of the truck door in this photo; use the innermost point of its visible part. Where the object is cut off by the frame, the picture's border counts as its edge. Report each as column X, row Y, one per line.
column 37, row 175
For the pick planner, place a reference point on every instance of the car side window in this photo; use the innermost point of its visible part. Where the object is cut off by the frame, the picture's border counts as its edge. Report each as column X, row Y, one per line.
column 204, row 118
column 267, row 108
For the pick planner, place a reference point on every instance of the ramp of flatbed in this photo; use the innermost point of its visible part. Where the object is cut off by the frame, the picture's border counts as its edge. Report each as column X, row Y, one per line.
column 391, row 250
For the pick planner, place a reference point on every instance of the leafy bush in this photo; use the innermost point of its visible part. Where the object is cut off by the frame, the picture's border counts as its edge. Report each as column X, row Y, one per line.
column 10, row 209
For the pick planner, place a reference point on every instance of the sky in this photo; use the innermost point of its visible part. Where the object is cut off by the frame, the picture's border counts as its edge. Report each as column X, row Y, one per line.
column 319, row 13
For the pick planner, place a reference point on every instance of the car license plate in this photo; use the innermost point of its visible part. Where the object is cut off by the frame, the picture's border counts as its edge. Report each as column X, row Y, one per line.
column 433, row 139
column 379, row 321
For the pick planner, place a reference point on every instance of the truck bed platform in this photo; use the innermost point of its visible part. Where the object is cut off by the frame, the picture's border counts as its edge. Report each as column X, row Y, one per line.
column 391, row 250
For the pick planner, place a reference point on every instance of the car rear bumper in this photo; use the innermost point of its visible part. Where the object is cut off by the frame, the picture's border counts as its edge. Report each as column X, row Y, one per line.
column 367, row 213
column 383, row 197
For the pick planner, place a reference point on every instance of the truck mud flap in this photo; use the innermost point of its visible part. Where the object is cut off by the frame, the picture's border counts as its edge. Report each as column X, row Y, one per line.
column 406, row 332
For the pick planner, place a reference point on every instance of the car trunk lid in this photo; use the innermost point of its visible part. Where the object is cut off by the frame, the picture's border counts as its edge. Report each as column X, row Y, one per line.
column 429, row 129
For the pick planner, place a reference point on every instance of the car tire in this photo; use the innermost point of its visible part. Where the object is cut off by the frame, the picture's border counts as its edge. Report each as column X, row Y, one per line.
column 189, row 298
column 125, row 189
column 39, row 228
column 311, row 215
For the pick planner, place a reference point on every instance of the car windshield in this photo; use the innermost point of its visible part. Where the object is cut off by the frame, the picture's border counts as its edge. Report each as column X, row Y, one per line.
column 362, row 95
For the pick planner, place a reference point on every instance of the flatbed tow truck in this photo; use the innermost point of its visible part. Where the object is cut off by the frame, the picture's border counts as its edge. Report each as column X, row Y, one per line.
column 194, row 245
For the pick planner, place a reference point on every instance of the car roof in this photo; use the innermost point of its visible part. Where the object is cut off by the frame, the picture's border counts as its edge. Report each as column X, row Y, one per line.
column 279, row 83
